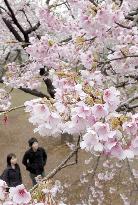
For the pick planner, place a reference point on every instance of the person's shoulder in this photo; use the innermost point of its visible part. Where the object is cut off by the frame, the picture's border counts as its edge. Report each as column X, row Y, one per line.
column 28, row 151
column 17, row 166
column 5, row 171
column 8, row 168
column 42, row 149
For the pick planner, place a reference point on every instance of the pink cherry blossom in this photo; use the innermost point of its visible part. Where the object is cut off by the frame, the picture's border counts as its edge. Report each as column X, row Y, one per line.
column 117, row 151
column 90, row 140
column 5, row 99
column 130, row 128
column 111, row 97
column 3, row 187
column 99, row 111
column 134, row 145
column 103, row 131
column 20, row 195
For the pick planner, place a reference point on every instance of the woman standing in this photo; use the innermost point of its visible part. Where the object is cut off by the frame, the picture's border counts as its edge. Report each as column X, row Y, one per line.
column 12, row 174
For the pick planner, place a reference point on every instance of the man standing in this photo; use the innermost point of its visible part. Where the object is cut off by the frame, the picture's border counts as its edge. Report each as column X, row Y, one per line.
column 34, row 160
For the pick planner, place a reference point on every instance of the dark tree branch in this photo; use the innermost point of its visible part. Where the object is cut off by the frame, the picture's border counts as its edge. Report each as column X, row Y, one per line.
column 123, row 26
column 27, row 18
column 12, row 29
column 47, row 2
column 50, row 87
column 33, row 28
column 16, row 22
column 1, row 7
column 32, row 92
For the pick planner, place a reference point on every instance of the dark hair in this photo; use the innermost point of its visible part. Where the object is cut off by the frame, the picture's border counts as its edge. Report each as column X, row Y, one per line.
column 9, row 157
column 31, row 141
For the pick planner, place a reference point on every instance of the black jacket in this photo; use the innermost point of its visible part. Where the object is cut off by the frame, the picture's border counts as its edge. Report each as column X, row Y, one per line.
column 35, row 161
column 12, row 176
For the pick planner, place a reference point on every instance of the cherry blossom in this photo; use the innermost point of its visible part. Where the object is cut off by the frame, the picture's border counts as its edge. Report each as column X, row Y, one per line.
column 3, row 187
column 20, row 195
column 5, row 99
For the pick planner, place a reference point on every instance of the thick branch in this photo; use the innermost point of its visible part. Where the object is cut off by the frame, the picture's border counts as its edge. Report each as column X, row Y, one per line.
column 34, row 92
column 16, row 22
column 12, row 29
column 13, row 16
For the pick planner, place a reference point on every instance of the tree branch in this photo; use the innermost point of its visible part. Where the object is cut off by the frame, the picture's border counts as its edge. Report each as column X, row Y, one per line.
column 119, row 58
column 16, row 21
column 47, row 2
column 131, row 173
column 123, row 26
column 125, row 105
column 34, row 92
column 76, row 156
column 33, row 28
column 58, row 168
column 12, row 29
column 12, row 109
column 93, row 2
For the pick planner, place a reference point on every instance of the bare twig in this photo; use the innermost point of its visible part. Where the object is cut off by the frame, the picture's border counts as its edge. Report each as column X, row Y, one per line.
column 76, row 155
column 119, row 58
column 131, row 173
column 15, row 108
column 33, row 28
column 123, row 26
column 126, row 104
column 96, row 166
column 56, row 5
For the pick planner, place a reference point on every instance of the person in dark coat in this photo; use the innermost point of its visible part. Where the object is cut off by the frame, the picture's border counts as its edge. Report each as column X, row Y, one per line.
column 12, row 174
column 34, row 160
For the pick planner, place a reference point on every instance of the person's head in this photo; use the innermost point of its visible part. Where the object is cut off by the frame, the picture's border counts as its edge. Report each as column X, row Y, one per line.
column 33, row 143
column 11, row 159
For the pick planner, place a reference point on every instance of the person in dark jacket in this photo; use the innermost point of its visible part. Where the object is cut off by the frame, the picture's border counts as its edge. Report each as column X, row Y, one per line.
column 12, row 174
column 34, row 160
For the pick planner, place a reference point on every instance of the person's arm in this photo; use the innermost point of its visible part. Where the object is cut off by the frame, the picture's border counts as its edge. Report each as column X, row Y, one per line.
column 25, row 160
column 20, row 176
column 5, row 177
column 44, row 156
